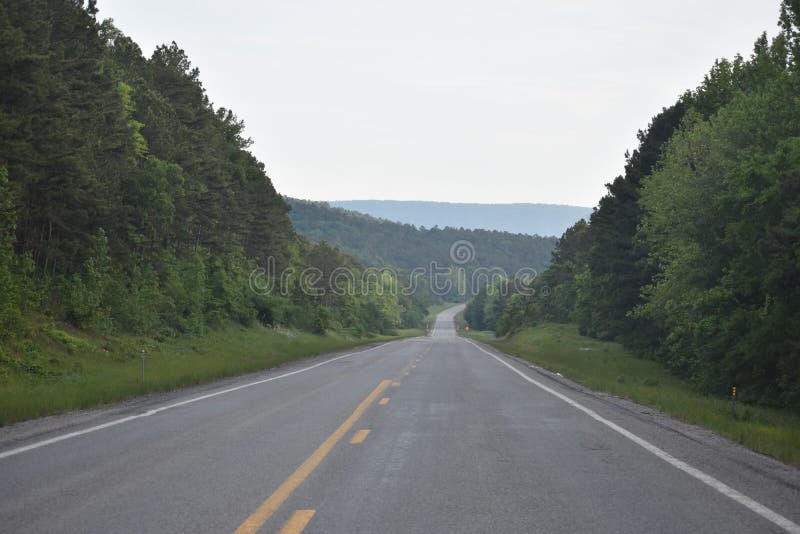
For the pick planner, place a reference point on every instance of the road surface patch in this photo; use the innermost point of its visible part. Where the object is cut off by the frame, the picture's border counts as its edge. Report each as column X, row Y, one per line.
column 767, row 513
column 274, row 501
column 115, row 422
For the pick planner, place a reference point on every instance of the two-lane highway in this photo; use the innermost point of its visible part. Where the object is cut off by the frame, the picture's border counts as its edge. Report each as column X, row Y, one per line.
column 433, row 434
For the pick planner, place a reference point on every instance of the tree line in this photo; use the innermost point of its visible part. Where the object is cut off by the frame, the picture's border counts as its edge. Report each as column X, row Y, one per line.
column 692, row 257
column 130, row 203
column 380, row 242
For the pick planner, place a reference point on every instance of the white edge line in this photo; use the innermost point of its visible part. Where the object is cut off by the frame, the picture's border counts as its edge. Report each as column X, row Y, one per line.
column 721, row 487
column 115, row 422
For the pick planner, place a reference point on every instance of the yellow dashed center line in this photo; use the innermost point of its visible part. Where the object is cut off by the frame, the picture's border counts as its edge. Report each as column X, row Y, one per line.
column 297, row 522
column 359, row 436
column 268, row 507
column 384, row 401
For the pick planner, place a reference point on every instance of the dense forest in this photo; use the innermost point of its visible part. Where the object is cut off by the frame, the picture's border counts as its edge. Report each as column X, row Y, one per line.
column 380, row 242
column 129, row 202
column 520, row 218
column 693, row 255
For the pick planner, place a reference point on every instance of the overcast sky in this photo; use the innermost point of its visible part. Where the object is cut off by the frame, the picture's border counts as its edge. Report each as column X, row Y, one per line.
column 463, row 101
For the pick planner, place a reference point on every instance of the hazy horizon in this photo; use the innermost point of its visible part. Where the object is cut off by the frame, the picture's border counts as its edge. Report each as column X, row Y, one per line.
column 516, row 218
column 441, row 202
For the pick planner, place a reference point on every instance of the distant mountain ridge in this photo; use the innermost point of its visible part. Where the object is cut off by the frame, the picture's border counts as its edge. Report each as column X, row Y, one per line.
column 380, row 242
column 522, row 218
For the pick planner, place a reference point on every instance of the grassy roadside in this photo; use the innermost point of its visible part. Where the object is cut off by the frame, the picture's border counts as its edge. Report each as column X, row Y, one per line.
column 66, row 370
column 607, row 366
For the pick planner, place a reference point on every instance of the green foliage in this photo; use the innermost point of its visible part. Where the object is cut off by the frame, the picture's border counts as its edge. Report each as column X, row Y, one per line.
column 519, row 311
column 228, row 290
column 359, row 301
column 134, row 127
column 379, row 242
column 559, row 283
column 130, row 204
column 136, row 305
column 86, row 293
column 474, row 312
column 11, row 290
column 607, row 287
column 503, row 306
column 722, row 221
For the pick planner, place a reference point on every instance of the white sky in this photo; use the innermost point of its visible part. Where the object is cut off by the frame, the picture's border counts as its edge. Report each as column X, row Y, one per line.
column 462, row 101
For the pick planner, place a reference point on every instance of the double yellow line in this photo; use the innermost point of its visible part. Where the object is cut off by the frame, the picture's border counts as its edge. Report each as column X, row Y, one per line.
column 274, row 501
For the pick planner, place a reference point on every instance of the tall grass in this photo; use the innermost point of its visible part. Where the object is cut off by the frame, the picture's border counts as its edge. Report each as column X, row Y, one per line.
column 70, row 370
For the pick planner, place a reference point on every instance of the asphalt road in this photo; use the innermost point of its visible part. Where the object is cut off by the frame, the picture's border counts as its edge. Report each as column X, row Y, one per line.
column 431, row 434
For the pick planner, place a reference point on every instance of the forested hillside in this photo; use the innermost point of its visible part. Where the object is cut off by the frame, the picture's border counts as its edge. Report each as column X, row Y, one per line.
column 129, row 202
column 380, row 242
column 693, row 256
column 532, row 219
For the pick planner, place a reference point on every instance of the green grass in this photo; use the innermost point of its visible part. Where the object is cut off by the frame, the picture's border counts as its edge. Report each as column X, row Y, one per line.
column 59, row 369
column 606, row 366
